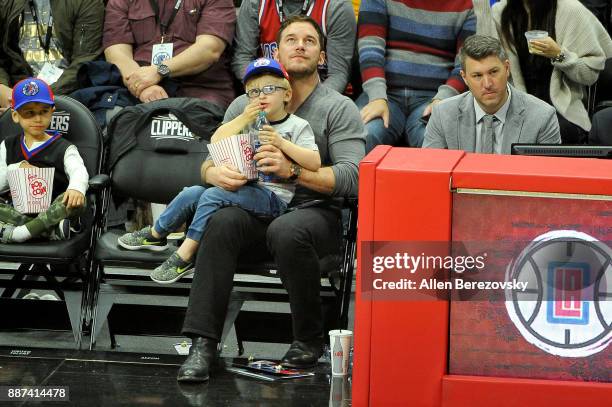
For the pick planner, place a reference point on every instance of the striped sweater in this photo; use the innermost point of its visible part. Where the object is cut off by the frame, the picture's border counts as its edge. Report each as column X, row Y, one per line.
column 413, row 44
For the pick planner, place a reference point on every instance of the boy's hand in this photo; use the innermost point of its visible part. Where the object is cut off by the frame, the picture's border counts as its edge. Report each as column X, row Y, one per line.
column 25, row 164
column 73, row 199
column 270, row 136
column 251, row 111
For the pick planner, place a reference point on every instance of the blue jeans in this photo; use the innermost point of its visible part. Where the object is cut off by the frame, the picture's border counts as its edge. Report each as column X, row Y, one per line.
column 405, row 126
column 197, row 204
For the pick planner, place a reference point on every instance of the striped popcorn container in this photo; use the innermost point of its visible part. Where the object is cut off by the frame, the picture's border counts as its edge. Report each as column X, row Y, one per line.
column 31, row 188
column 236, row 151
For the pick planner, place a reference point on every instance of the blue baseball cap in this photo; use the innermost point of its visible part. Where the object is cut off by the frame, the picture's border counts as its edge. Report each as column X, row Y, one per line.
column 264, row 65
column 32, row 90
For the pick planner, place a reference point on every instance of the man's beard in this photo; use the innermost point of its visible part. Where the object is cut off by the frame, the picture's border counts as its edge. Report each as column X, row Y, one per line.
column 302, row 72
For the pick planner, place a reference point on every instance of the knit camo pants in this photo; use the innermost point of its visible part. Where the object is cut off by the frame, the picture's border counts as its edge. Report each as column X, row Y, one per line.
column 44, row 222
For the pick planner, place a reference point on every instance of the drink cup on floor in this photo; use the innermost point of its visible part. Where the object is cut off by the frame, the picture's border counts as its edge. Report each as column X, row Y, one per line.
column 340, row 341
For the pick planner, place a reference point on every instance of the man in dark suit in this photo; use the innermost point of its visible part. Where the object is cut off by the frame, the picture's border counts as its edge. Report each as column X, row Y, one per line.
column 492, row 115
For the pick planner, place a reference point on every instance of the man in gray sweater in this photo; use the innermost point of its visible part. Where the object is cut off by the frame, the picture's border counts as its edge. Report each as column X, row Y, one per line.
column 297, row 239
column 259, row 22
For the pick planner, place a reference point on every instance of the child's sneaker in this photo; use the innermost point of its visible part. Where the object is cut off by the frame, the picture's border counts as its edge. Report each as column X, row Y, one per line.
column 6, row 232
column 142, row 239
column 61, row 231
column 171, row 270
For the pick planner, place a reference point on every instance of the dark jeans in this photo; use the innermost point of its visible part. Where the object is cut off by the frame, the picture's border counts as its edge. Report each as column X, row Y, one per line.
column 571, row 133
column 296, row 241
column 601, row 130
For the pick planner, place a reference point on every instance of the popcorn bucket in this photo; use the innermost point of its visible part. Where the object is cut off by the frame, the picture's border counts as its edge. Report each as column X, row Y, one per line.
column 31, row 188
column 236, row 151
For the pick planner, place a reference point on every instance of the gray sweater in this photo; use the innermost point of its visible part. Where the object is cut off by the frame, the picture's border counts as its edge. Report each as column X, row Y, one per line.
column 341, row 33
column 339, row 134
column 586, row 46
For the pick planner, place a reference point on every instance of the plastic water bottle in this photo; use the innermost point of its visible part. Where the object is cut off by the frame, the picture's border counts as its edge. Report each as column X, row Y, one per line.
column 260, row 122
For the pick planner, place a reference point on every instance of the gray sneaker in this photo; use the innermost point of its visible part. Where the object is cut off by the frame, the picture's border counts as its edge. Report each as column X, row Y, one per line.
column 142, row 240
column 171, row 270
column 61, row 231
column 6, row 232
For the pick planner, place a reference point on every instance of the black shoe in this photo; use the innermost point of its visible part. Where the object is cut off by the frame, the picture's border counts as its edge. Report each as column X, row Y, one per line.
column 202, row 356
column 302, row 355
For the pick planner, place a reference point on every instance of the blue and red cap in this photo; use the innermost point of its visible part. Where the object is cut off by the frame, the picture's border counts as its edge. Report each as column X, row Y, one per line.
column 262, row 66
column 32, row 90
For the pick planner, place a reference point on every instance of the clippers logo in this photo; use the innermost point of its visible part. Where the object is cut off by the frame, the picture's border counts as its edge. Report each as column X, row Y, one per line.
column 30, row 88
column 567, row 311
column 163, row 127
column 60, row 122
column 565, row 305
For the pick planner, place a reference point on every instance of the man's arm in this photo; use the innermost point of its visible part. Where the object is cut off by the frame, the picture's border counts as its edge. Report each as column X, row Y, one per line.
column 341, row 32
column 86, row 43
column 434, row 136
column 454, row 84
column 246, row 41
column 122, row 55
column 197, row 57
column 371, row 45
column 550, row 132
column 346, row 143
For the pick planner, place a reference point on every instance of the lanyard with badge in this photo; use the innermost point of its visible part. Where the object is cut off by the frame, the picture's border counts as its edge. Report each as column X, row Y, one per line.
column 281, row 12
column 163, row 51
column 49, row 72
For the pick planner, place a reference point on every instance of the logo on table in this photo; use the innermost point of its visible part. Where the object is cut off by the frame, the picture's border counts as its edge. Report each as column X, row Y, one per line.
column 567, row 309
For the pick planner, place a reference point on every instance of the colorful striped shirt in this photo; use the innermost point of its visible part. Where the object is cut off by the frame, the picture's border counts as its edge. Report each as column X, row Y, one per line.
column 413, row 44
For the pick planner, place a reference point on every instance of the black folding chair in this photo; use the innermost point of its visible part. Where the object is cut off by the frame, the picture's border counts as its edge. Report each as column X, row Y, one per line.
column 61, row 266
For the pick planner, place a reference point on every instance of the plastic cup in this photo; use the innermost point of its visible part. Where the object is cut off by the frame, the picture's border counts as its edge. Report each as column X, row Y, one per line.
column 340, row 341
column 534, row 35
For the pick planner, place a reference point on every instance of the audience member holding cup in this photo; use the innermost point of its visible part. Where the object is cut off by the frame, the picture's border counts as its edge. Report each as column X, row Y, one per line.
column 536, row 41
column 556, row 49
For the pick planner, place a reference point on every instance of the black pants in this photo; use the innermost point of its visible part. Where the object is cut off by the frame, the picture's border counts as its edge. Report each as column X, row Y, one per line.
column 601, row 129
column 570, row 132
column 296, row 240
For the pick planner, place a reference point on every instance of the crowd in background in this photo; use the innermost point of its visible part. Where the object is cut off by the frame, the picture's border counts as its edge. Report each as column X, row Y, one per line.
column 395, row 59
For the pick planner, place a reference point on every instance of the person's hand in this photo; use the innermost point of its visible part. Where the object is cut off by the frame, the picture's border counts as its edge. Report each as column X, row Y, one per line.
column 142, row 78
column 429, row 107
column 376, row 108
column 270, row 136
column 152, row 93
column 73, row 199
column 5, row 97
column 25, row 164
column 251, row 111
column 226, row 177
column 546, row 47
column 271, row 160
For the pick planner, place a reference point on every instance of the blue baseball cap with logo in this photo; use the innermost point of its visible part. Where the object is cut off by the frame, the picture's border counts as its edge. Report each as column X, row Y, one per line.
column 264, row 65
column 32, row 90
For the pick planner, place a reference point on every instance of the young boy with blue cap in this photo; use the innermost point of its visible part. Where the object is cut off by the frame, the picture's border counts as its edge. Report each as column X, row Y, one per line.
column 268, row 89
column 33, row 104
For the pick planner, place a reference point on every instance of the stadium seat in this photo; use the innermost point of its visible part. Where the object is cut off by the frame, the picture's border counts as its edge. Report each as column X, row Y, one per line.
column 133, row 304
column 61, row 266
